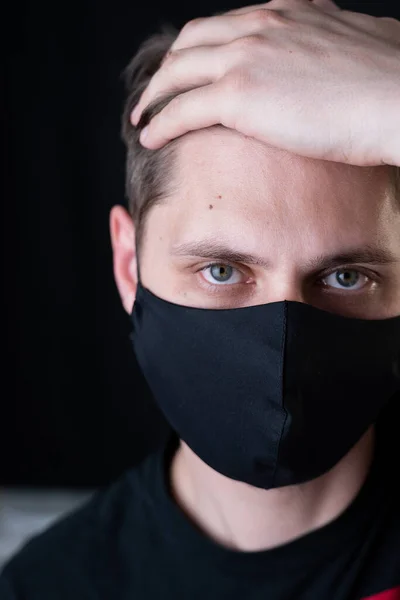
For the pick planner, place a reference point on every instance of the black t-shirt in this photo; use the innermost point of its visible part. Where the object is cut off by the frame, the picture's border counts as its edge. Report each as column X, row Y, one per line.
column 132, row 542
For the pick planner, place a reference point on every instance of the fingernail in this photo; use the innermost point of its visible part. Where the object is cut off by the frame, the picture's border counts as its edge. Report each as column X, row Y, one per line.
column 134, row 115
column 144, row 133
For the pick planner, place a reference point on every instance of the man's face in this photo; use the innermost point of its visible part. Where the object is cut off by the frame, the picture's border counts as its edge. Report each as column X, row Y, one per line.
column 322, row 233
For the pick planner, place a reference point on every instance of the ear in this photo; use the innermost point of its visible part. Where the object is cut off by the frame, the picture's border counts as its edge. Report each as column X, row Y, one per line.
column 122, row 231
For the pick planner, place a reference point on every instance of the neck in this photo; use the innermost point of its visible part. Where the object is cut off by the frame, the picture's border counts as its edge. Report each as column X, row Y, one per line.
column 242, row 517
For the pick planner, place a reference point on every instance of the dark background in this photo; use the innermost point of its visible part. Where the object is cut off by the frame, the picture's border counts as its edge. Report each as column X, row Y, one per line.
column 74, row 408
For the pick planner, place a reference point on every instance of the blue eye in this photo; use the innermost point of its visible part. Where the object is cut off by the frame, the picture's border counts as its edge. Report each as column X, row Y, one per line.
column 346, row 279
column 218, row 274
column 341, row 279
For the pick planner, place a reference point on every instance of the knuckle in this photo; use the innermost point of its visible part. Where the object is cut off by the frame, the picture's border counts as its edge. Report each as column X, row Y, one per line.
column 295, row 4
column 247, row 44
column 264, row 16
column 192, row 24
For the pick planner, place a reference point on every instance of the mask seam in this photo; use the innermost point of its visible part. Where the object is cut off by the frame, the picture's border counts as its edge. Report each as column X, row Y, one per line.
column 283, row 345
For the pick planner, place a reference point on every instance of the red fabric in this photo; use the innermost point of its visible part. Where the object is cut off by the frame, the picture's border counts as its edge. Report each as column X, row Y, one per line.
column 393, row 594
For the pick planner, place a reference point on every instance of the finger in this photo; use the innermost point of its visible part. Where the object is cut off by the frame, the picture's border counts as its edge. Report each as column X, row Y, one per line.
column 380, row 27
column 286, row 4
column 187, row 68
column 271, row 5
column 213, row 31
column 245, row 9
column 224, row 28
column 327, row 5
column 192, row 110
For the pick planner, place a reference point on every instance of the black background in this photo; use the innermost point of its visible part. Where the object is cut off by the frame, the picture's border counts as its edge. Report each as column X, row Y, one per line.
column 74, row 409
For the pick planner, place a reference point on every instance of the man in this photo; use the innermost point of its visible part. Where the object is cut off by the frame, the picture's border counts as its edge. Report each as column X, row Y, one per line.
column 262, row 272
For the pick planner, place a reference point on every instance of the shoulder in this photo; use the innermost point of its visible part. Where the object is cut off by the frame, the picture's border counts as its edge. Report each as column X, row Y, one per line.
column 79, row 549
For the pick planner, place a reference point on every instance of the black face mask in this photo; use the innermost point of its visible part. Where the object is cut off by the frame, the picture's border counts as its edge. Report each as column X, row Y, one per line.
column 271, row 395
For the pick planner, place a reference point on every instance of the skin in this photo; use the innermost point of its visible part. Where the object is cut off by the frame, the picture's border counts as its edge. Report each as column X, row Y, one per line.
column 303, row 76
column 290, row 211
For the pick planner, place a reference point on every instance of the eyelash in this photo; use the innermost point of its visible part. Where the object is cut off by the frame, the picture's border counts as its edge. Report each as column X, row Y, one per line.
column 369, row 275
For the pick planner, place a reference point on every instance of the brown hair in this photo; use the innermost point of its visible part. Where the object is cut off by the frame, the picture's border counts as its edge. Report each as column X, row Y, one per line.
column 150, row 177
column 396, row 175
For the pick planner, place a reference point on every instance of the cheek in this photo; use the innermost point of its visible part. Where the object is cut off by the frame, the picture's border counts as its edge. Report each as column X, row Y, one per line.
column 382, row 304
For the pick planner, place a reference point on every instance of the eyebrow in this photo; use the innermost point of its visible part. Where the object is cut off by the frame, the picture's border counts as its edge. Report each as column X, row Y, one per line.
column 210, row 248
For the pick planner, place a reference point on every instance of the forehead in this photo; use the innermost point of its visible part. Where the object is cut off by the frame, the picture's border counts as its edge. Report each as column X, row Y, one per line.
column 226, row 179
column 256, row 170
column 221, row 165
